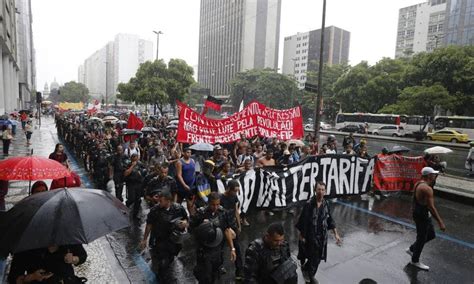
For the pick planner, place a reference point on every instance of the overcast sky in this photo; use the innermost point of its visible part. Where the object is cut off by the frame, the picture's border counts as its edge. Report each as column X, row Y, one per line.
column 68, row 31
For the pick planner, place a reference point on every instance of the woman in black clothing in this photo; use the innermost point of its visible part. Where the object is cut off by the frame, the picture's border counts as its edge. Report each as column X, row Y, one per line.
column 48, row 265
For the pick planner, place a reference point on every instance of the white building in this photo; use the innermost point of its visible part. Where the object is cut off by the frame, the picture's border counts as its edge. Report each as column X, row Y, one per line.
column 235, row 36
column 301, row 51
column 9, row 90
column 115, row 63
column 420, row 28
column 26, row 54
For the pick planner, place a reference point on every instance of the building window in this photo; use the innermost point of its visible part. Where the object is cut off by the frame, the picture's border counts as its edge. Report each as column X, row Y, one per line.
column 303, row 64
column 298, row 45
column 305, row 50
column 298, row 38
column 297, row 52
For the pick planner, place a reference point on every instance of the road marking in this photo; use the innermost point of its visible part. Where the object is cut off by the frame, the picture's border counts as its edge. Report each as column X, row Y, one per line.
column 406, row 224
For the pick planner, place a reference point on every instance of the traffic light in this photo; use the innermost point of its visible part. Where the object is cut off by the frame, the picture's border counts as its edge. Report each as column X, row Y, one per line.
column 39, row 97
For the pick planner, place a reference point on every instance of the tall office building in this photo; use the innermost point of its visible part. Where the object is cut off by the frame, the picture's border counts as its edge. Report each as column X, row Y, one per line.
column 9, row 93
column 459, row 22
column 26, row 54
column 301, row 51
column 420, row 28
column 115, row 63
column 234, row 36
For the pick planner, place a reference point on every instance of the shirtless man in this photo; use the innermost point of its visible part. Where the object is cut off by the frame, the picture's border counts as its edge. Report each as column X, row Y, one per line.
column 423, row 205
column 266, row 160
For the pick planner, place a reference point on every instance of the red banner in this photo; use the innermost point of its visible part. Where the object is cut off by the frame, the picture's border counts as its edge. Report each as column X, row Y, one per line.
column 254, row 120
column 396, row 172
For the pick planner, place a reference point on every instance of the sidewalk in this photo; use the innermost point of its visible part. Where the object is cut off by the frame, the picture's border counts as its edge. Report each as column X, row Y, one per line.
column 459, row 188
column 101, row 265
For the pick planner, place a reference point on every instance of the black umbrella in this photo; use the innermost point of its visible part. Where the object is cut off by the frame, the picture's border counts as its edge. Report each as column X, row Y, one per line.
column 399, row 149
column 149, row 129
column 61, row 217
column 131, row 132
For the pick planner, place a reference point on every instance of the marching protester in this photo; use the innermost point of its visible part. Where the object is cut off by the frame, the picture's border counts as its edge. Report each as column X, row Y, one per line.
column 268, row 259
column 117, row 163
column 313, row 224
column 28, row 131
column 7, row 137
column 423, row 209
column 212, row 227
column 186, row 177
column 166, row 226
column 134, row 175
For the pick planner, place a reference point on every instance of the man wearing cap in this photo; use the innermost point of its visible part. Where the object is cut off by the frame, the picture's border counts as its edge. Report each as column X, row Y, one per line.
column 423, row 205
column 210, row 224
column 166, row 225
column 161, row 182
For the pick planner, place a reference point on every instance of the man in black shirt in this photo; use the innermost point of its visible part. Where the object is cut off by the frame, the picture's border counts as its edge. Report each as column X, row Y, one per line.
column 117, row 163
column 161, row 182
column 134, row 175
column 230, row 202
column 166, row 222
column 210, row 258
column 268, row 259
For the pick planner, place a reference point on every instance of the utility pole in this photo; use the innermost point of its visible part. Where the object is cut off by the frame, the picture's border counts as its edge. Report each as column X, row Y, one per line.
column 158, row 33
column 319, row 97
column 106, row 83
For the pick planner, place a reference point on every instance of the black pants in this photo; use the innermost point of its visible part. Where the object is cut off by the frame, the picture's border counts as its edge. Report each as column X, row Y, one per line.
column 424, row 233
column 161, row 260
column 238, row 262
column 6, row 146
column 208, row 264
column 310, row 258
column 118, row 180
column 134, row 196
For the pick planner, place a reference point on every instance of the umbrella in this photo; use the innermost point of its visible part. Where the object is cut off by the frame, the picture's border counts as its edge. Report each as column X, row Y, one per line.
column 398, row 148
column 121, row 122
column 172, row 127
column 31, row 168
column 149, row 129
column 61, row 217
column 110, row 119
column 94, row 120
column 131, row 132
column 25, row 111
column 438, row 150
column 297, row 142
column 46, row 102
column 202, row 147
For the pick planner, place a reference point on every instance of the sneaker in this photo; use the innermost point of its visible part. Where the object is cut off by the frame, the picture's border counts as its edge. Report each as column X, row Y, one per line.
column 420, row 265
column 410, row 253
column 245, row 222
column 222, row 270
column 270, row 213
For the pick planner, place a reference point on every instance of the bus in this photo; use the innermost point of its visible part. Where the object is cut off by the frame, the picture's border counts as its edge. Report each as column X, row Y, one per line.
column 414, row 123
column 462, row 124
column 373, row 121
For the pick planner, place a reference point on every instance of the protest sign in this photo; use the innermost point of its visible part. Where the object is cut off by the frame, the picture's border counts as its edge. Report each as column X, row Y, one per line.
column 397, row 172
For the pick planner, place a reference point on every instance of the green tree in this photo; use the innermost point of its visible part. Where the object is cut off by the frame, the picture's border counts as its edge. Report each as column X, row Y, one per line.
column 330, row 103
column 266, row 86
column 453, row 68
column 421, row 100
column 73, row 92
column 178, row 81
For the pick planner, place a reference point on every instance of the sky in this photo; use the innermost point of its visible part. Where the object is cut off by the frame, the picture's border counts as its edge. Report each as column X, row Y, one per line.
column 66, row 32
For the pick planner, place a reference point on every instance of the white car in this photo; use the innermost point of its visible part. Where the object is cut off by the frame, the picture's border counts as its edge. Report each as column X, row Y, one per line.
column 390, row 130
column 322, row 126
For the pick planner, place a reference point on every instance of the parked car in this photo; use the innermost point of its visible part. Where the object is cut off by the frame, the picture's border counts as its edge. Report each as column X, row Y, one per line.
column 448, row 135
column 390, row 130
column 352, row 128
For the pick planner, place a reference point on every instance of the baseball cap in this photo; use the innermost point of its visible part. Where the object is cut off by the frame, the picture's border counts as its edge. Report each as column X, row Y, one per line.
column 428, row 171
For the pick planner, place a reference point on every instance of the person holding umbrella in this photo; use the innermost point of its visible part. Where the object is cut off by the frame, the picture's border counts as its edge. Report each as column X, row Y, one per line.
column 53, row 264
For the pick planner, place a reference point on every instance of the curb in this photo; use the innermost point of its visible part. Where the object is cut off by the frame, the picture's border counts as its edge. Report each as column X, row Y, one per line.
column 454, row 195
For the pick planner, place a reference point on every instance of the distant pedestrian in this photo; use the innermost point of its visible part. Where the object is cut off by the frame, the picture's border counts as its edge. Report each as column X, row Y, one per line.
column 28, row 131
column 314, row 223
column 470, row 159
column 58, row 154
column 6, row 138
column 423, row 205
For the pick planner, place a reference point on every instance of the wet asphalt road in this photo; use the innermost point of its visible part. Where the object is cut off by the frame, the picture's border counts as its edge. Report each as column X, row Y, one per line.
column 455, row 160
column 375, row 235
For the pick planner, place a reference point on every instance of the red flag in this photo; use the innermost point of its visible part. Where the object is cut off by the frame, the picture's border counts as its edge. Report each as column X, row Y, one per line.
column 213, row 103
column 134, row 122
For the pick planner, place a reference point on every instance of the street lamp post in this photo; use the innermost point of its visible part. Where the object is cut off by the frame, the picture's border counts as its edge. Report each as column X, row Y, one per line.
column 158, row 33
column 106, row 84
column 319, row 97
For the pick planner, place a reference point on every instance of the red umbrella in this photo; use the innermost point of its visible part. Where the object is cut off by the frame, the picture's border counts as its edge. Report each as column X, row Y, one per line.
column 31, row 168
